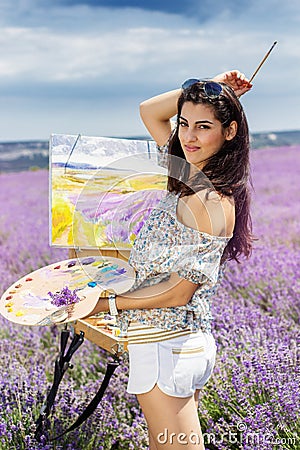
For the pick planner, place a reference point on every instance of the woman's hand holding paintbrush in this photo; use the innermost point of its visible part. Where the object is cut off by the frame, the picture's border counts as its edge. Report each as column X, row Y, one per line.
column 237, row 80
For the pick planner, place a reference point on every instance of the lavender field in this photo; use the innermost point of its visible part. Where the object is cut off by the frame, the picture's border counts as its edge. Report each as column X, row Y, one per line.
column 252, row 400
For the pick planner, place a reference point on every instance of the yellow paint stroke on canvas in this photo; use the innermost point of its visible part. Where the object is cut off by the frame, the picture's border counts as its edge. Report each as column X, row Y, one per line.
column 89, row 229
column 62, row 217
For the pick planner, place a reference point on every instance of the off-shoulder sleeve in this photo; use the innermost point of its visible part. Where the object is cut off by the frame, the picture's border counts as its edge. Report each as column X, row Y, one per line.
column 200, row 263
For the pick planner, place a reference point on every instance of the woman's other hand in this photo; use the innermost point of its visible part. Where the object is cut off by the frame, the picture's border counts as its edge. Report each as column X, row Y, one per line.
column 236, row 80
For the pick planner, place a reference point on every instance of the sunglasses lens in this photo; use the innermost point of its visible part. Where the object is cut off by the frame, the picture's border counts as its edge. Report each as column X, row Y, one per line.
column 212, row 89
column 189, row 82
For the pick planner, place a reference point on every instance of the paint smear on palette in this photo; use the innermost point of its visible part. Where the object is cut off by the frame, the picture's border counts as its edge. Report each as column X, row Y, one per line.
column 31, row 300
column 79, row 283
column 109, row 275
column 50, row 272
column 32, row 319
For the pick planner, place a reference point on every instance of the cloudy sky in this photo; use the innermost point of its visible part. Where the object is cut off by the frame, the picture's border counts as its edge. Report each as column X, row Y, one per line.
column 83, row 66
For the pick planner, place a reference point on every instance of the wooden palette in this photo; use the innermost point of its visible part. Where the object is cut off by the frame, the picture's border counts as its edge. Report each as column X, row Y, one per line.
column 27, row 301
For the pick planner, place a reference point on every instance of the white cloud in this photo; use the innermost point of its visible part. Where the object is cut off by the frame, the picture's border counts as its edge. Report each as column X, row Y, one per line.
column 126, row 55
column 40, row 55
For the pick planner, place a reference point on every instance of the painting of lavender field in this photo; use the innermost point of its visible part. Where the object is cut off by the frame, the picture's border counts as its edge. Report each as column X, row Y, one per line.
column 251, row 401
column 102, row 190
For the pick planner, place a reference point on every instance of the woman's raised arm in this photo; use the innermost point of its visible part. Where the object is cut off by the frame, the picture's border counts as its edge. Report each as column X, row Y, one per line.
column 157, row 112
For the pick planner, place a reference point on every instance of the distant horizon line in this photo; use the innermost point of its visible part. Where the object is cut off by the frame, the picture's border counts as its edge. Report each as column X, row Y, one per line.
column 135, row 137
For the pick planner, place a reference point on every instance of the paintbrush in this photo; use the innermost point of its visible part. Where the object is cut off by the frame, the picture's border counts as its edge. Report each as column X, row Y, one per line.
column 262, row 61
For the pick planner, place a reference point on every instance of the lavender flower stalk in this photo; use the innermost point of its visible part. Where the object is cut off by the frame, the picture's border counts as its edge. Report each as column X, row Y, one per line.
column 64, row 298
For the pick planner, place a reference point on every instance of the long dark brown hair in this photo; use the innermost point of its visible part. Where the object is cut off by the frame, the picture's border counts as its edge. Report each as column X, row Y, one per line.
column 228, row 170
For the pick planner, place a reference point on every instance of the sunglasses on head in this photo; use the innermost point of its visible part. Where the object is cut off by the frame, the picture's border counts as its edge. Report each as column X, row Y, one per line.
column 212, row 89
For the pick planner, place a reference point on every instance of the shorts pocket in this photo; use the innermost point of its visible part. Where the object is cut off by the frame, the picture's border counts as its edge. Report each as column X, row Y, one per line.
column 185, row 364
column 189, row 367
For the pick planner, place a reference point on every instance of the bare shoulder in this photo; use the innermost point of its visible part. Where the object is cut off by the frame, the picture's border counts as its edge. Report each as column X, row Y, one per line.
column 227, row 203
column 208, row 212
column 228, row 206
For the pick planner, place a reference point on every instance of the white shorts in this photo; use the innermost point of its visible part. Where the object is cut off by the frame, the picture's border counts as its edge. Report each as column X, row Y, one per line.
column 178, row 366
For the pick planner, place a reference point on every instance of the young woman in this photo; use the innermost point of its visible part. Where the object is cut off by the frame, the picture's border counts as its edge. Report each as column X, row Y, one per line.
column 180, row 253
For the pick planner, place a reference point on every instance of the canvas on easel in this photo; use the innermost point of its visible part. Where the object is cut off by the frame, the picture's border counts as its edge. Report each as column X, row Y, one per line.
column 101, row 190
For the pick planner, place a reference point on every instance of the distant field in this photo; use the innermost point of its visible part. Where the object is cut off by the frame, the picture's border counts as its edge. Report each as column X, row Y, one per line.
column 17, row 156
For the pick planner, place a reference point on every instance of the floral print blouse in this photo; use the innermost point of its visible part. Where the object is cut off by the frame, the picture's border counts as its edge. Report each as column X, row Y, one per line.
column 165, row 245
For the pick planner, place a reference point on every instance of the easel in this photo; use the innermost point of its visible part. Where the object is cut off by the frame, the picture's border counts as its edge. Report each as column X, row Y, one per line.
column 90, row 329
